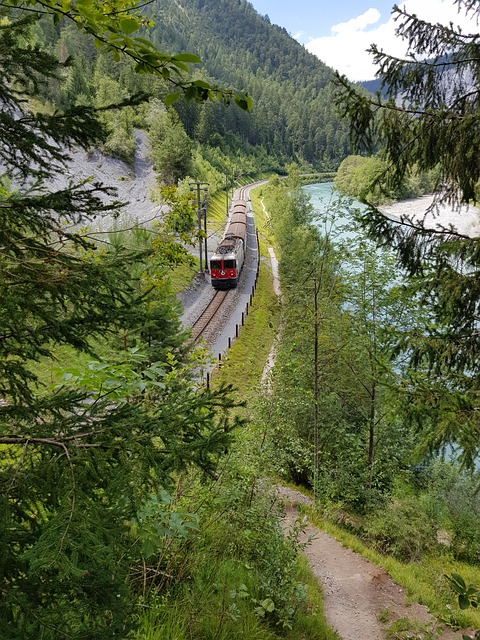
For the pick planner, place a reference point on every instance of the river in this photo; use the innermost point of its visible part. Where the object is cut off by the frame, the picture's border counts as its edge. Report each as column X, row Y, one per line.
column 466, row 219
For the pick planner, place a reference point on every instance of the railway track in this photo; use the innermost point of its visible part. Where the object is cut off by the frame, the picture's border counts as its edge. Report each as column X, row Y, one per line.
column 207, row 315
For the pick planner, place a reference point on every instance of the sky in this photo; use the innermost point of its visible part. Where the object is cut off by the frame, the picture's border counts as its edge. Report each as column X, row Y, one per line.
column 339, row 31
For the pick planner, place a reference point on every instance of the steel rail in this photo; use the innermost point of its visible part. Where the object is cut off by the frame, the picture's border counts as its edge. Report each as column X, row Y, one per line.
column 208, row 314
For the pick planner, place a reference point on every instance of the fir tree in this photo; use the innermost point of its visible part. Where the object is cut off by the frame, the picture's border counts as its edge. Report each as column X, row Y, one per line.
column 78, row 460
column 428, row 120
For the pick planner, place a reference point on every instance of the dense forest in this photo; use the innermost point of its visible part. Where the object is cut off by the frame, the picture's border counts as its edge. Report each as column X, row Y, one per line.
column 292, row 118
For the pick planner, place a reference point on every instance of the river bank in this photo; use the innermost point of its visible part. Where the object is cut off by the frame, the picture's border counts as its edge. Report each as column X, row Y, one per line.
column 464, row 220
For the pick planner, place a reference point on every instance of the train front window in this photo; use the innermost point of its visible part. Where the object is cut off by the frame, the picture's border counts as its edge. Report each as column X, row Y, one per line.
column 215, row 264
column 229, row 264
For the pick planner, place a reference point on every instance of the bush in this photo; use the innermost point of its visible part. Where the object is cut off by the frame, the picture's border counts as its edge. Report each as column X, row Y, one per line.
column 459, row 494
column 406, row 529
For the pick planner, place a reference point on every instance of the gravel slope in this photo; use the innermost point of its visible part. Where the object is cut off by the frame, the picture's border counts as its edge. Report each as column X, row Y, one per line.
column 465, row 220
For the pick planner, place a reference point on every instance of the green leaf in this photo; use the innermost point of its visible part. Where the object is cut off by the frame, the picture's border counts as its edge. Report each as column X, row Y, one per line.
column 463, row 601
column 179, row 65
column 202, row 84
column 457, row 582
column 243, row 100
column 147, row 43
column 268, row 605
column 186, row 57
column 128, row 25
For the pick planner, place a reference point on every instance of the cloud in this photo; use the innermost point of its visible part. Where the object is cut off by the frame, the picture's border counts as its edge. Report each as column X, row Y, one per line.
column 345, row 49
column 298, row 35
column 371, row 16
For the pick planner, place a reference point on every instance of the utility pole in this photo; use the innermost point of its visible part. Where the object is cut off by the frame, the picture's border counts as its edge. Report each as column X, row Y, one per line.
column 198, row 188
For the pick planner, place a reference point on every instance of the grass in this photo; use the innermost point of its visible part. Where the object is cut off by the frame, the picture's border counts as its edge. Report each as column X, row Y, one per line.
column 182, row 276
column 311, row 624
column 49, row 370
column 219, row 600
column 262, row 222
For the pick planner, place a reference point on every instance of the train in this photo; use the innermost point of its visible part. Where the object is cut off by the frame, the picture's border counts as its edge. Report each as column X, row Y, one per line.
column 227, row 261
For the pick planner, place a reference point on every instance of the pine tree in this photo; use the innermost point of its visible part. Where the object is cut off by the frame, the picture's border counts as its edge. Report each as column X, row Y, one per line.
column 79, row 460
column 428, row 119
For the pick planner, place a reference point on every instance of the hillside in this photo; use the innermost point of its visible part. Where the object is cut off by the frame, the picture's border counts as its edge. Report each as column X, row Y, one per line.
column 293, row 114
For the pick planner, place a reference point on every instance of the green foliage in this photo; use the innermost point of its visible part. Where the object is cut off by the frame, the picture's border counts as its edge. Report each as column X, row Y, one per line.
column 363, row 178
column 333, row 375
column 404, row 528
column 468, row 596
column 420, row 124
column 424, row 128
column 155, row 521
column 81, row 459
column 111, row 27
column 180, row 218
column 293, row 115
column 360, row 178
column 431, row 508
column 170, row 146
column 458, row 493
column 405, row 629
column 243, row 575
column 73, row 523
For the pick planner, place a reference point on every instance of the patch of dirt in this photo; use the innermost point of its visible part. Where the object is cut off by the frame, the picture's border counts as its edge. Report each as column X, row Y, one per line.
column 357, row 593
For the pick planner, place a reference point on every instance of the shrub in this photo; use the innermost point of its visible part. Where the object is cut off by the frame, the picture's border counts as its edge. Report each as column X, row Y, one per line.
column 406, row 529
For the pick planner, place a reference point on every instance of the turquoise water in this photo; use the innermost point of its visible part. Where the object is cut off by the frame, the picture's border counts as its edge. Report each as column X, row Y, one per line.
column 321, row 195
column 324, row 200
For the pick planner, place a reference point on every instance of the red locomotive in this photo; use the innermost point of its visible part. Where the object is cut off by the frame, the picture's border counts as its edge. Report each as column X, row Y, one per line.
column 227, row 261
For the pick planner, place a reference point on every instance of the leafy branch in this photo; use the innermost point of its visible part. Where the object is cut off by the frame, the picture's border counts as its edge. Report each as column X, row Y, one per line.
column 112, row 24
column 468, row 596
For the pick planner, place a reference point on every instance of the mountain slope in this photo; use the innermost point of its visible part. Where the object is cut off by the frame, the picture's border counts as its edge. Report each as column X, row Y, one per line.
column 293, row 114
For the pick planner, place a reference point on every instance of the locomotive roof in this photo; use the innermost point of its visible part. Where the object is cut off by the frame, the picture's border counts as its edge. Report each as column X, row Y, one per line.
column 226, row 247
column 230, row 255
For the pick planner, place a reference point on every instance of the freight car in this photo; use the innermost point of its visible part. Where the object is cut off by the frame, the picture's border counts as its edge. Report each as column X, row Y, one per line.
column 227, row 261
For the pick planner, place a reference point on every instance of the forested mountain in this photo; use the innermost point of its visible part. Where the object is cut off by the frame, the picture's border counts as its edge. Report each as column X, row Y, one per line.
column 293, row 113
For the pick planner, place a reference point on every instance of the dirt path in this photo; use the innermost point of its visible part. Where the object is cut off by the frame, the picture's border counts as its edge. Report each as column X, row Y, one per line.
column 356, row 592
